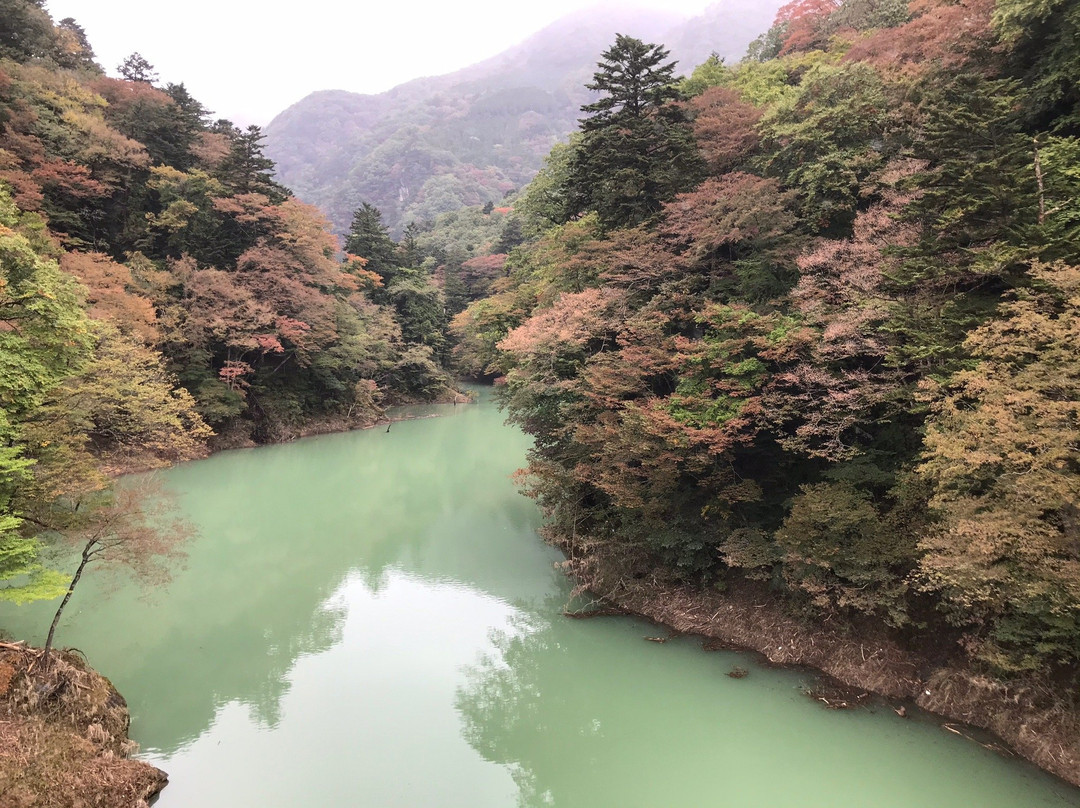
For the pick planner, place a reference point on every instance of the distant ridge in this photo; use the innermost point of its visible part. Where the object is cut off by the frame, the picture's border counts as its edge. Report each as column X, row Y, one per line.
column 439, row 143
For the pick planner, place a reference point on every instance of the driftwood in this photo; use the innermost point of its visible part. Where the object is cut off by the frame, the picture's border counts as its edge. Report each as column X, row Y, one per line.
column 604, row 611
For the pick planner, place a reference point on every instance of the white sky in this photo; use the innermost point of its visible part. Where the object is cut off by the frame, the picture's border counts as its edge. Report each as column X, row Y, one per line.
column 247, row 60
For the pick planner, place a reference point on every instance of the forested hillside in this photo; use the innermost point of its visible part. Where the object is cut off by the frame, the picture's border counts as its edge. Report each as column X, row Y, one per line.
column 811, row 321
column 801, row 329
column 161, row 293
column 437, row 144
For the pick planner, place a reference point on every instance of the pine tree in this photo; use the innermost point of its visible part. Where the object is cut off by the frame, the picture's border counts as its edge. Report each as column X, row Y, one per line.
column 247, row 170
column 408, row 250
column 637, row 150
column 73, row 49
column 137, row 68
column 369, row 238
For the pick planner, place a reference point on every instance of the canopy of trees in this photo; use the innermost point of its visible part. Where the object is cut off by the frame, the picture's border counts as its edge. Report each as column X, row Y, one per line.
column 161, row 294
column 841, row 357
column 636, row 148
column 809, row 320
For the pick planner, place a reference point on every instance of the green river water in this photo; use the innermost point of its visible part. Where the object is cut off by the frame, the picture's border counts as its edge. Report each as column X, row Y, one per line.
column 369, row 619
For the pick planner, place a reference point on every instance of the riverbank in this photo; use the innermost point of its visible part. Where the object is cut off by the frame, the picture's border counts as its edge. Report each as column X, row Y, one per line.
column 63, row 736
column 1032, row 720
column 334, row 424
column 239, row 435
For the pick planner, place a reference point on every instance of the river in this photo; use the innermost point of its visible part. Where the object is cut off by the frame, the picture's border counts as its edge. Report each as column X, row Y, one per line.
column 370, row 619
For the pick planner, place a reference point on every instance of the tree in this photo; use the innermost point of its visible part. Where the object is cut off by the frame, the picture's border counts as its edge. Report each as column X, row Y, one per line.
column 726, row 128
column 43, row 339
column 980, row 183
column 844, row 554
column 805, row 24
column 73, row 49
column 636, row 80
column 127, row 405
column 137, row 68
column 1042, row 36
column 186, row 123
column 737, row 226
column 941, row 34
column 370, row 239
column 478, row 274
column 511, row 235
column 409, row 253
column 865, row 15
column 1003, row 457
column 153, row 117
column 247, row 170
column 133, row 527
column 544, row 204
column 826, row 139
column 26, row 31
column 637, row 149
column 111, row 295
column 421, row 311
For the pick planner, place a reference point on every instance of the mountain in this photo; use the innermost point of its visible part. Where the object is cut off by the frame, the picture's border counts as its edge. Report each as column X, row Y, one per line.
column 436, row 144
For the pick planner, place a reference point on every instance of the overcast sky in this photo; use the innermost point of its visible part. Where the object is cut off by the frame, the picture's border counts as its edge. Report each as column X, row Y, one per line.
column 248, row 60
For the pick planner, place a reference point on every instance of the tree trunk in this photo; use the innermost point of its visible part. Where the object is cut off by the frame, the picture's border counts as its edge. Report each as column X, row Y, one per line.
column 86, row 555
column 1039, row 179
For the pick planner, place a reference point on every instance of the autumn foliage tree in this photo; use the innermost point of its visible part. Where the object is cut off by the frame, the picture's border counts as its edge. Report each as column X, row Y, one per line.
column 1002, row 457
column 160, row 291
column 839, row 361
column 135, row 527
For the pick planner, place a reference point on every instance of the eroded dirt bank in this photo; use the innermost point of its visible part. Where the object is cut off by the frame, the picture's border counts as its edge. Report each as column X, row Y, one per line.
column 63, row 736
column 1034, row 721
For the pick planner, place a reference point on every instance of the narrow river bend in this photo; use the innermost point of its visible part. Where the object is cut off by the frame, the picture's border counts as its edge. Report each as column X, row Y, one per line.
column 369, row 619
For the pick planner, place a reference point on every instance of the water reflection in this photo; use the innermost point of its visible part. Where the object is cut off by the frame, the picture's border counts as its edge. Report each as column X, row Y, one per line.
column 280, row 530
column 506, row 703
column 370, row 620
column 584, row 713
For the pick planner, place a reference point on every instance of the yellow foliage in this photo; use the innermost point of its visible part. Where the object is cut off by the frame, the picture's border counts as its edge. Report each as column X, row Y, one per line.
column 1003, row 455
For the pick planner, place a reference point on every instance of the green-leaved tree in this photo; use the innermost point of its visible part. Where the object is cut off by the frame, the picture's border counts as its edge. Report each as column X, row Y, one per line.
column 637, row 149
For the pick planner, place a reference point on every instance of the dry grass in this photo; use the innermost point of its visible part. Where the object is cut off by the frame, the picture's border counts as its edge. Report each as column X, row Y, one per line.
column 1033, row 720
column 63, row 737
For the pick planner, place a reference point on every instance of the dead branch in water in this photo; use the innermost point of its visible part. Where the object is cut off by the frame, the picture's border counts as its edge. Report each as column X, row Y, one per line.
column 585, row 614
